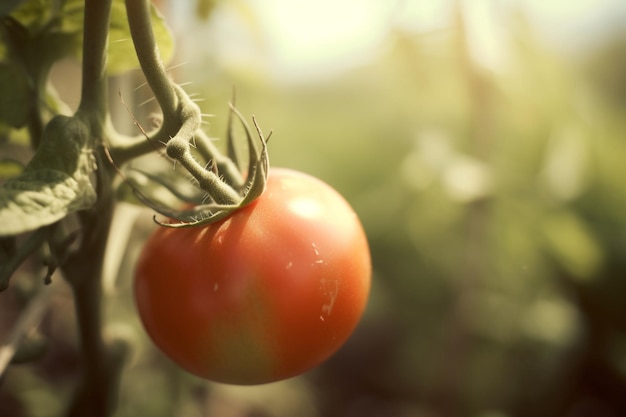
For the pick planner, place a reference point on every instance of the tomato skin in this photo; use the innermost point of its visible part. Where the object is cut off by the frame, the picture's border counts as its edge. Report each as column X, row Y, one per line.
column 263, row 295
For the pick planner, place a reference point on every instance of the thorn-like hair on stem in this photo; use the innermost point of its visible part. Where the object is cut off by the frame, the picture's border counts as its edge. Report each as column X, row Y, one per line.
column 140, row 86
column 173, row 67
column 143, row 103
column 134, row 119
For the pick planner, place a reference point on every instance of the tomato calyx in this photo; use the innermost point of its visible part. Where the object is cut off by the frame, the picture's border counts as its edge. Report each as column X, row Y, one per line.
column 222, row 186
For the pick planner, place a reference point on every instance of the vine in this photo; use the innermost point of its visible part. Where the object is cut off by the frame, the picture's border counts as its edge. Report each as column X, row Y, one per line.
column 64, row 197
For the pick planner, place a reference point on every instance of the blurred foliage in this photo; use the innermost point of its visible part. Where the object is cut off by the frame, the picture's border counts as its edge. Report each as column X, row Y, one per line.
column 493, row 201
column 494, row 205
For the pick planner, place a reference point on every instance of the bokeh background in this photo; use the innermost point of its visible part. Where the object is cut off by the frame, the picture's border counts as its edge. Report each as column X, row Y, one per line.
column 483, row 145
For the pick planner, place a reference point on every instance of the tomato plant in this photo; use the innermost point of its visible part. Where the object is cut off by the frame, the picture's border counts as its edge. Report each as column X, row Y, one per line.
column 265, row 294
column 261, row 279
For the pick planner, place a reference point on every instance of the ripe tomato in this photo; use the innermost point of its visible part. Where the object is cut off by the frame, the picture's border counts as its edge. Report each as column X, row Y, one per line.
column 267, row 293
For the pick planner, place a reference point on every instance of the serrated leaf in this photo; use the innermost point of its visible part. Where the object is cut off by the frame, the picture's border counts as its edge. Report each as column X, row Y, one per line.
column 39, row 198
column 122, row 56
column 55, row 182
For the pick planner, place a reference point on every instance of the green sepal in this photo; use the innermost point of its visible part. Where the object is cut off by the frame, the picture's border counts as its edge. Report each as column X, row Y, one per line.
column 188, row 195
column 203, row 214
column 207, row 211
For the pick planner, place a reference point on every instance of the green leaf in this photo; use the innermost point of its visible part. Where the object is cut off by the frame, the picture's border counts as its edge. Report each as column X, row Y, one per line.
column 33, row 14
column 64, row 37
column 72, row 16
column 14, row 96
column 122, row 56
column 55, row 182
column 64, row 16
column 40, row 32
column 7, row 6
column 56, row 31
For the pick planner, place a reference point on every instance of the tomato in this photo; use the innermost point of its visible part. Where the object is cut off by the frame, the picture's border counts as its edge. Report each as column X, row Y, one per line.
column 267, row 293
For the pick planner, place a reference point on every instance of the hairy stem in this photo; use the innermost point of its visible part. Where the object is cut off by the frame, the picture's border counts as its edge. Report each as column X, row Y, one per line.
column 139, row 20
column 166, row 92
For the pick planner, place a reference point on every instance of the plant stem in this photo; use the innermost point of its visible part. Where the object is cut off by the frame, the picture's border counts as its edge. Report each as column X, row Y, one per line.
column 95, row 40
column 165, row 91
column 96, row 393
column 140, row 23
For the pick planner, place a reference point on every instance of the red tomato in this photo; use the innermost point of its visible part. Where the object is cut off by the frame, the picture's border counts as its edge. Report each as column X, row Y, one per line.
column 263, row 295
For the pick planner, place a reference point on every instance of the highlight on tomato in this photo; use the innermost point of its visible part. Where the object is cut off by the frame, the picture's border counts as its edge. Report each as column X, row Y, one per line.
column 265, row 294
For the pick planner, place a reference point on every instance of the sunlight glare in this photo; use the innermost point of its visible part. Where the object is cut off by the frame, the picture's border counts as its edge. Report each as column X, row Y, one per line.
column 309, row 38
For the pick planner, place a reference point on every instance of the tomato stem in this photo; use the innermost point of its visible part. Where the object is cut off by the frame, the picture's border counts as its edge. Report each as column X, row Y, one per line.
column 220, row 179
column 147, row 50
column 226, row 166
column 179, row 149
column 95, row 35
column 97, row 388
column 181, row 116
